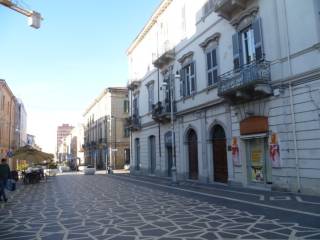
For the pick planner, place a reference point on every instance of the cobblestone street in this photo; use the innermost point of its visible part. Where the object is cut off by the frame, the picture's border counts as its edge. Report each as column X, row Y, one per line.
column 100, row 207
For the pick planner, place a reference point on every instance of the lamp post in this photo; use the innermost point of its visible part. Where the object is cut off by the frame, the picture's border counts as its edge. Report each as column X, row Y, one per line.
column 108, row 170
column 174, row 178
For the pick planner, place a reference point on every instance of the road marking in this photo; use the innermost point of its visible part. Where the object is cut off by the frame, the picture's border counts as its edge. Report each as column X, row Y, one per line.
column 299, row 199
column 227, row 198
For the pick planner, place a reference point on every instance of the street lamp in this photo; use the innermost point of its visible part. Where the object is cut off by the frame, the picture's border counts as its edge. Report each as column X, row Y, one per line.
column 171, row 93
column 108, row 170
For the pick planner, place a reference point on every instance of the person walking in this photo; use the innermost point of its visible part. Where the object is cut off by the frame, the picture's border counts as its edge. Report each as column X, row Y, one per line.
column 4, row 175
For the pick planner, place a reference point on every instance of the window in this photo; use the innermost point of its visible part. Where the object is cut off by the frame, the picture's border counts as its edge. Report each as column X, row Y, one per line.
column 212, row 67
column 188, row 80
column 247, row 40
column 126, row 106
column 126, row 132
column 248, row 45
column 150, row 96
column 135, row 106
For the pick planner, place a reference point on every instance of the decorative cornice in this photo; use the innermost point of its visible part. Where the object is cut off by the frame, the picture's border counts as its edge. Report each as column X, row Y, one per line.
column 149, row 83
column 185, row 56
column 250, row 12
column 213, row 38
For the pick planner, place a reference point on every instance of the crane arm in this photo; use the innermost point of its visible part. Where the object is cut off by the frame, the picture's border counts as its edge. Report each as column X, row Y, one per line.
column 34, row 17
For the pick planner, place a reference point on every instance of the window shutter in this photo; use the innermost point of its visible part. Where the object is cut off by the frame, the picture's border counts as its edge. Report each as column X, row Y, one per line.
column 214, row 66
column 237, row 50
column 193, row 77
column 182, row 83
column 258, row 41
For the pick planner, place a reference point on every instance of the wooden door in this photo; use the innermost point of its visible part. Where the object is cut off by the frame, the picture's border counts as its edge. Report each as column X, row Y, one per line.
column 169, row 155
column 220, row 155
column 193, row 154
column 152, row 154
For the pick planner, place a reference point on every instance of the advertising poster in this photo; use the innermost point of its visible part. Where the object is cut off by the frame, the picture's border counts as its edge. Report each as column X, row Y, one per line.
column 274, row 151
column 235, row 152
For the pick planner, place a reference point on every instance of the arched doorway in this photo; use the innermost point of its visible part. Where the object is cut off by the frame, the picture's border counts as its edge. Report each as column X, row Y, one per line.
column 219, row 154
column 152, row 154
column 137, row 153
column 193, row 154
column 168, row 145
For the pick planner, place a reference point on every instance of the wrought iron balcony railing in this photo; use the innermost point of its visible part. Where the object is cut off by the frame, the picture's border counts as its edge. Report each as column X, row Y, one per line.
column 133, row 122
column 161, row 111
column 250, row 81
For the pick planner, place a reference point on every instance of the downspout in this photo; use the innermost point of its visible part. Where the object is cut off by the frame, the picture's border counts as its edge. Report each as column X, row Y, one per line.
column 158, row 81
column 131, row 144
column 293, row 121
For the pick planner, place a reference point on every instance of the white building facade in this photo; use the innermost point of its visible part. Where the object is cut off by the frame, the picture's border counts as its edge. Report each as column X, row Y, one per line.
column 246, row 86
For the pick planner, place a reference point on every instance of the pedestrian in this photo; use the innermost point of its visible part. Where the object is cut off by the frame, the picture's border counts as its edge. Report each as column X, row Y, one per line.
column 4, row 175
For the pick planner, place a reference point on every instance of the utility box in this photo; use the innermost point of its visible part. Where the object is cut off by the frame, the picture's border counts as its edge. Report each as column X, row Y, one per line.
column 34, row 20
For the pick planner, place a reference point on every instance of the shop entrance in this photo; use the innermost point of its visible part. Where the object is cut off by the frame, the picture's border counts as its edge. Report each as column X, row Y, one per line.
column 259, row 170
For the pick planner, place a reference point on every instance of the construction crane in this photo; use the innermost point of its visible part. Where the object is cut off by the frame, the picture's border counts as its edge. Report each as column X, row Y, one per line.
column 34, row 18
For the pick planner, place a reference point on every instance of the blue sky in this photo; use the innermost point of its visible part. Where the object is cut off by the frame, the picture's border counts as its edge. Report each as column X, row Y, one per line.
column 59, row 69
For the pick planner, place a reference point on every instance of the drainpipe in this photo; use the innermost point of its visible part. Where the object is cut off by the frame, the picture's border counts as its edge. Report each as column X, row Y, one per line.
column 158, row 80
column 291, row 103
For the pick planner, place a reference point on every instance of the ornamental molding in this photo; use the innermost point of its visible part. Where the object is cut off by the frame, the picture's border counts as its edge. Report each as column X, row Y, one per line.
column 245, row 18
column 188, row 56
column 213, row 38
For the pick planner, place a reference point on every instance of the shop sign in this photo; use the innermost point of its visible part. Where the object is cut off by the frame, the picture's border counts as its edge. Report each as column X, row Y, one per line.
column 254, row 125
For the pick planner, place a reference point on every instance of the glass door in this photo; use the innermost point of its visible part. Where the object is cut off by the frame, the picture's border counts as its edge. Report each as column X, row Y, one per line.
column 257, row 162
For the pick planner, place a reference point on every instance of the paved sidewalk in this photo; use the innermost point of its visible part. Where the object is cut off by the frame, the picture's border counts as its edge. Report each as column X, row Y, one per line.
column 297, row 202
column 116, row 207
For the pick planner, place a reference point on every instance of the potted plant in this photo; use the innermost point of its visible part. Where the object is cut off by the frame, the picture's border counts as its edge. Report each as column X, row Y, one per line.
column 89, row 170
column 52, row 169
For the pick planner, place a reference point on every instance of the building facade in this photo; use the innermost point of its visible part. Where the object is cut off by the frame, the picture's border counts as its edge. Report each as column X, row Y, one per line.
column 8, row 120
column 62, row 132
column 106, row 139
column 245, row 87
column 21, row 130
column 74, row 146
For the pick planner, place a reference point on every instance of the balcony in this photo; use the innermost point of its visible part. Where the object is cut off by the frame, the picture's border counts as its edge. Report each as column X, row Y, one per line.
column 167, row 55
column 134, row 84
column 228, row 8
column 133, row 123
column 93, row 144
column 102, row 140
column 249, row 82
column 161, row 111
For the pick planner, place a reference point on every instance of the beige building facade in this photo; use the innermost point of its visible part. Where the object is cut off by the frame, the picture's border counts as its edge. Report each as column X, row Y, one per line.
column 8, row 120
column 106, row 138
